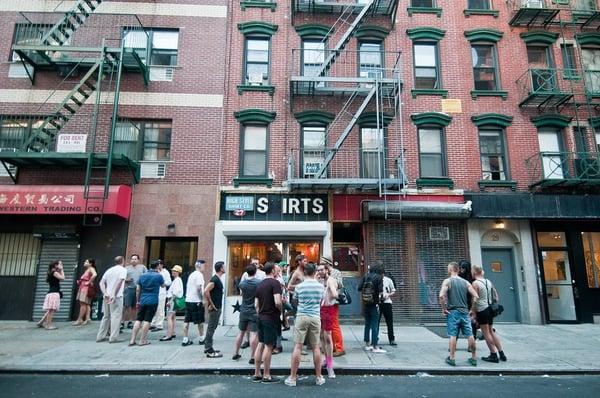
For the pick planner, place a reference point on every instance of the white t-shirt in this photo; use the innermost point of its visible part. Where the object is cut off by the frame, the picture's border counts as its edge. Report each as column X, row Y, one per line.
column 260, row 275
column 167, row 278
column 194, row 288
column 176, row 288
column 112, row 276
column 388, row 288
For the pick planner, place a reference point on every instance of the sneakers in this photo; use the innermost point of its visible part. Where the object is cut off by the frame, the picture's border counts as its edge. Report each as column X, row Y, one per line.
column 491, row 358
column 251, row 361
column 330, row 374
column 502, row 356
column 214, row 354
column 320, row 381
column 450, row 361
column 245, row 344
column 472, row 361
column 270, row 380
column 290, row 382
column 393, row 343
column 379, row 350
column 236, row 357
column 368, row 348
column 257, row 379
column 186, row 343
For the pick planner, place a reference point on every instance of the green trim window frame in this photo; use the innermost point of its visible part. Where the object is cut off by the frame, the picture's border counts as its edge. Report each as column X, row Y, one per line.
column 254, row 150
column 580, row 139
column 160, row 46
column 597, row 141
column 567, row 51
column 541, row 63
column 30, row 34
column 485, row 67
column 372, row 152
column 313, row 148
column 479, row 4
column 432, row 156
column 492, row 149
column 370, row 58
column 583, row 5
column 258, row 4
column 590, row 61
column 313, row 56
column 143, row 140
column 423, row 3
column 257, row 60
column 426, row 65
column 15, row 130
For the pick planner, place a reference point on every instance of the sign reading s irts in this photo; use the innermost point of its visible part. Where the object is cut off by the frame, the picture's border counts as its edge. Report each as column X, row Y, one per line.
column 272, row 207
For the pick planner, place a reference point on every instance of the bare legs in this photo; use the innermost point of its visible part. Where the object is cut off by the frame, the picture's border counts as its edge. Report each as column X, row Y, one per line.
column 171, row 324
column 472, row 346
column 84, row 314
column 46, row 321
column 145, row 326
column 491, row 339
column 296, row 360
column 263, row 355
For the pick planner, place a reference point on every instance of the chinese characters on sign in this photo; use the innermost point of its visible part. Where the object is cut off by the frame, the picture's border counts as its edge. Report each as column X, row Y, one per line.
column 20, row 202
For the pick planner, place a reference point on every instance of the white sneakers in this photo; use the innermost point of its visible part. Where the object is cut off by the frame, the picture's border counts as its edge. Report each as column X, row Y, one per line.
column 368, row 348
column 379, row 350
column 330, row 373
column 292, row 382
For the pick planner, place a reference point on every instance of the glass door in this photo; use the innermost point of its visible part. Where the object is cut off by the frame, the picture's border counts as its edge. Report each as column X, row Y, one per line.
column 180, row 251
column 558, row 281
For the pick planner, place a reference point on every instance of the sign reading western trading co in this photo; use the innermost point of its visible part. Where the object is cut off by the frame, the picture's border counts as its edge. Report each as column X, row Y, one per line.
column 62, row 199
column 273, row 207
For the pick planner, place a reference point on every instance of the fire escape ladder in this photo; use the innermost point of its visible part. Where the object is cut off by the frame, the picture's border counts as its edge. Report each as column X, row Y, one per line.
column 62, row 31
column 41, row 138
column 331, row 153
column 345, row 18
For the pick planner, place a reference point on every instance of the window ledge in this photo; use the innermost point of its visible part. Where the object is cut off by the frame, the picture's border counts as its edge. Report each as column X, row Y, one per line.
column 257, row 4
column 571, row 77
column 416, row 92
column 469, row 12
column 435, row 182
column 497, row 183
column 490, row 93
column 247, row 87
column 424, row 10
column 253, row 180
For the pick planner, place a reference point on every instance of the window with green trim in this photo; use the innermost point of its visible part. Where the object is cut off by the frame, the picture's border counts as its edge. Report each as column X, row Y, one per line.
column 598, row 142
column 541, row 65
column 257, row 54
column 426, row 64
column 313, row 149
column 313, row 56
column 479, row 4
column 253, row 159
column 590, row 61
column 143, row 140
column 370, row 59
column 485, row 67
column 15, row 130
column 493, row 155
column 569, row 61
column 432, row 159
column 422, row 3
column 583, row 5
column 371, row 152
column 158, row 45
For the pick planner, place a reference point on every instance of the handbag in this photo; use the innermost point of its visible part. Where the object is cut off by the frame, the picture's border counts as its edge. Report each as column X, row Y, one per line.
column 179, row 303
column 344, row 297
column 91, row 291
column 494, row 307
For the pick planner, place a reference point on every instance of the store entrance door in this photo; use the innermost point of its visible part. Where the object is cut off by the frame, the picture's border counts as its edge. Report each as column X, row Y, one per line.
column 180, row 251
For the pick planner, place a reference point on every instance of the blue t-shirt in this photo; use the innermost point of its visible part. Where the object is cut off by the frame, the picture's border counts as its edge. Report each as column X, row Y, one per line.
column 309, row 295
column 149, row 284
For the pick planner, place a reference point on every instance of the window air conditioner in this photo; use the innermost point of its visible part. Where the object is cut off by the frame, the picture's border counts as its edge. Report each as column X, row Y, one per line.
column 153, row 169
column 256, row 79
column 161, row 74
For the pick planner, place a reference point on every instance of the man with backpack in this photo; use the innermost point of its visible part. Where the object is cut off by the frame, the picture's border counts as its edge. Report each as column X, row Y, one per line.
column 371, row 287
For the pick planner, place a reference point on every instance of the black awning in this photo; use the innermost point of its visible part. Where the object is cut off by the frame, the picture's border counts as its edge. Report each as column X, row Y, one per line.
column 416, row 209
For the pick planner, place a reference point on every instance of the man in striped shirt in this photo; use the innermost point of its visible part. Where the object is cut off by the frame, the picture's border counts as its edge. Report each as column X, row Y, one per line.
column 308, row 323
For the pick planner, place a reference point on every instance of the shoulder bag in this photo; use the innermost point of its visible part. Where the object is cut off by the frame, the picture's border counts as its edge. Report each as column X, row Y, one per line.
column 494, row 307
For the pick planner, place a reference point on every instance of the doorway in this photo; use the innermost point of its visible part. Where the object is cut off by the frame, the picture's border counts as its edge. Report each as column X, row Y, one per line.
column 180, row 251
column 499, row 268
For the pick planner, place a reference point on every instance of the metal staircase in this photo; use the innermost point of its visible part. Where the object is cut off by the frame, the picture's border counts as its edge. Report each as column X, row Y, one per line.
column 345, row 18
column 62, row 31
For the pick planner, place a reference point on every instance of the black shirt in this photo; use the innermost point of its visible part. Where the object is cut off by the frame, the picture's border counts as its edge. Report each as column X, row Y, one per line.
column 267, row 310
column 216, row 294
column 54, row 283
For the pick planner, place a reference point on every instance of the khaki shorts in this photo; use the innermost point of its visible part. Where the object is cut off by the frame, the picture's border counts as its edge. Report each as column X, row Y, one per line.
column 307, row 328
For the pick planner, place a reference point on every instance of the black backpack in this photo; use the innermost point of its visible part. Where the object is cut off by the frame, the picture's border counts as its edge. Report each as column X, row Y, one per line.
column 368, row 293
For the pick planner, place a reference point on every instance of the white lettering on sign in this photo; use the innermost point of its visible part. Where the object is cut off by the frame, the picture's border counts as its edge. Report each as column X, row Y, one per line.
column 71, row 143
column 317, row 206
column 301, row 206
column 262, row 205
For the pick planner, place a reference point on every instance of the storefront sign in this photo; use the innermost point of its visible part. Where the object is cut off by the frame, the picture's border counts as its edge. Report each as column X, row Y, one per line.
column 71, row 143
column 62, row 199
column 271, row 207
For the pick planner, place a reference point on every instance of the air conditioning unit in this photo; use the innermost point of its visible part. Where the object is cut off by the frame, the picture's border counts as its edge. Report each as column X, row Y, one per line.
column 161, row 74
column 532, row 3
column 256, row 79
column 153, row 169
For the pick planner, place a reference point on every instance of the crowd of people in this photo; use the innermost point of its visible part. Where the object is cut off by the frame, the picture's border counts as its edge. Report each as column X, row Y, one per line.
column 274, row 298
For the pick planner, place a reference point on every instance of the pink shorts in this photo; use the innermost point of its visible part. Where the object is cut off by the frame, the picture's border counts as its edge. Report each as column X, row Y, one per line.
column 52, row 302
column 327, row 317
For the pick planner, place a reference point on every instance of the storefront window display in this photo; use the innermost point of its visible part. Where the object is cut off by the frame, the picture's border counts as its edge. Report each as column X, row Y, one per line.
column 240, row 253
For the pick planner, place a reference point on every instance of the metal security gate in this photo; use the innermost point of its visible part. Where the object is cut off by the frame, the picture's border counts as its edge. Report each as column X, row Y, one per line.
column 18, row 259
column 67, row 250
column 416, row 253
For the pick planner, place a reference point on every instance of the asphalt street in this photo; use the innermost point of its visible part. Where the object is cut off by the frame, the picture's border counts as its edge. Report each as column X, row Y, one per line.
column 226, row 386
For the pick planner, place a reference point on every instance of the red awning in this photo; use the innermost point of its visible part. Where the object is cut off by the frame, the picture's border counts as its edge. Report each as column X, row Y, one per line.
column 62, row 199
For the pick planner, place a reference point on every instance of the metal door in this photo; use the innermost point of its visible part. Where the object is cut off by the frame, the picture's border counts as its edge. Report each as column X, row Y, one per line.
column 499, row 268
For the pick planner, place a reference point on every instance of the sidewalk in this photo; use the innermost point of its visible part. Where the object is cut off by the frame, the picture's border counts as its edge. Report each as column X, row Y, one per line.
column 550, row 349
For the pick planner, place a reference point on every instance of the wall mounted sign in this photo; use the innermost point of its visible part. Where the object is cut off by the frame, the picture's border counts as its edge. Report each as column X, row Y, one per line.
column 274, row 207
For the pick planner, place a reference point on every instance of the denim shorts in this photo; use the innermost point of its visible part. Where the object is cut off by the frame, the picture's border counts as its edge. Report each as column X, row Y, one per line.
column 458, row 321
